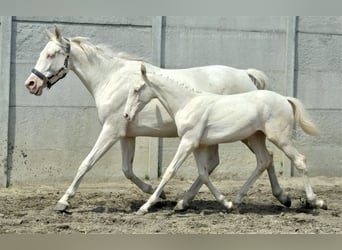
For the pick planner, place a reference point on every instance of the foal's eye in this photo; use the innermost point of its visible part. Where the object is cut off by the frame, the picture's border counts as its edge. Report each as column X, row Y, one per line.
column 51, row 56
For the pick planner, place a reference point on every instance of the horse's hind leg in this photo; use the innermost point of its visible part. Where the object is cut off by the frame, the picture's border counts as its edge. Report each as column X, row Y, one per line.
column 210, row 156
column 127, row 150
column 264, row 161
column 201, row 160
column 299, row 161
column 277, row 191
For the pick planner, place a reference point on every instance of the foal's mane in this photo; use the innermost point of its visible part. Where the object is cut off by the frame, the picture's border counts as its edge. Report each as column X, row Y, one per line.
column 101, row 50
column 181, row 84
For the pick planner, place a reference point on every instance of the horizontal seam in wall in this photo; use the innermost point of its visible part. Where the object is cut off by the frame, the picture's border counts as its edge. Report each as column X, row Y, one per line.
column 52, row 106
column 94, row 107
column 325, row 109
column 283, row 32
column 319, row 33
column 86, row 23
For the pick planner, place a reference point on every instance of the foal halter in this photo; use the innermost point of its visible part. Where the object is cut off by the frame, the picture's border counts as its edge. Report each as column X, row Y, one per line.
column 60, row 74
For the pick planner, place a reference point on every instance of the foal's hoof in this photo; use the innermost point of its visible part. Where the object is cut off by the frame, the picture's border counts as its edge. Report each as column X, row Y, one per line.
column 321, row 204
column 61, row 207
column 287, row 202
column 317, row 204
column 228, row 205
column 236, row 208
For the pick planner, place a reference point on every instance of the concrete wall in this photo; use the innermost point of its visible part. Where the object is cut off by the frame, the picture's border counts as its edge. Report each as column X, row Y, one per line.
column 46, row 138
column 319, row 86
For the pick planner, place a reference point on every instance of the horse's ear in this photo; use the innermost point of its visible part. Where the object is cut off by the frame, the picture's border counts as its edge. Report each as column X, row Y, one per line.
column 49, row 34
column 58, row 34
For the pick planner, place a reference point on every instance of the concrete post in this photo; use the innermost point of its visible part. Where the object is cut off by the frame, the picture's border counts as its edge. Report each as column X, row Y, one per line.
column 5, row 71
column 291, row 44
column 157, row 50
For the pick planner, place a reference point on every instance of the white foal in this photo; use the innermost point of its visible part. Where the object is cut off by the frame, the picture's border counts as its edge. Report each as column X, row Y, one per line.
column 204, row 119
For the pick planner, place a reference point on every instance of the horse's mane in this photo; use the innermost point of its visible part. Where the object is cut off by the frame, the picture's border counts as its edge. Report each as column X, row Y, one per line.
column 101, row 50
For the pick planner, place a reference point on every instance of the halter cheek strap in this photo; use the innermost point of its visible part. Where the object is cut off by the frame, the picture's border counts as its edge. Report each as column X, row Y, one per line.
column 60, row 74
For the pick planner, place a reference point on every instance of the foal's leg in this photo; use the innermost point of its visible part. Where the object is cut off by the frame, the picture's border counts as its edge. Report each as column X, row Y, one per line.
column 184, row 149
column 299, row 161
column 211, row 159
column 128, row 150
column 105, row 140
column 201, row 160
column 264, row 161
column 277, row 191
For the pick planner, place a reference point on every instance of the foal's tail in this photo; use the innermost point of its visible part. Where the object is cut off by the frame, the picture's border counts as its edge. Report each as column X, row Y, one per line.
column 301, row 117
column 259, row 78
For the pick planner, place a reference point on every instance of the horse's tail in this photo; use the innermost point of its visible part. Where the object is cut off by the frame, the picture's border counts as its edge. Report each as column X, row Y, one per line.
column 301, row 117
column 259, row 78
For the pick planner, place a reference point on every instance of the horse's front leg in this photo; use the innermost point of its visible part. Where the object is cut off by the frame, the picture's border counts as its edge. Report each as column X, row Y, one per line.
column 105, row 140
column 128, row 150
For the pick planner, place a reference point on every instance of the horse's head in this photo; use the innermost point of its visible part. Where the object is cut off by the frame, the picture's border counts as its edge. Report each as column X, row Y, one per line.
column 52, row 64
column 138, row 96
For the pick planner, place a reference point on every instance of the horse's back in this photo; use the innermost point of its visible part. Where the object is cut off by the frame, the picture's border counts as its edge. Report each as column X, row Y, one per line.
column 217, row 79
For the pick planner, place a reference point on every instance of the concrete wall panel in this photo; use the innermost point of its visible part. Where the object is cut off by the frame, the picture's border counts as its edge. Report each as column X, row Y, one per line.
column 49, row 136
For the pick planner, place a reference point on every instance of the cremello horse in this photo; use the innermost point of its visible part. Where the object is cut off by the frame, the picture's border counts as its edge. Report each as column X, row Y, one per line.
column 204, row 119
column 108, row 77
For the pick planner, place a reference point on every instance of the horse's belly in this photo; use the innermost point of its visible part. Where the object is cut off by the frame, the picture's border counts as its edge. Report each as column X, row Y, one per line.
column 152, row 121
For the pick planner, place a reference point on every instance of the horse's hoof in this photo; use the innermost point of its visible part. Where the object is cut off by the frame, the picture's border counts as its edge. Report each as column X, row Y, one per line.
column 181, row 206
column 141, row 212
column 61, row 207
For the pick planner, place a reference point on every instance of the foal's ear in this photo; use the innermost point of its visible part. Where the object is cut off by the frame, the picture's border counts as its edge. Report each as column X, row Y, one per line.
column 58, row 34
column 143, row 69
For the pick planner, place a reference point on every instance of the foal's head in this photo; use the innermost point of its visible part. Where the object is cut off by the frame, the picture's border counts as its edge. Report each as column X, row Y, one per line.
column 52, row 64
column 138, row 96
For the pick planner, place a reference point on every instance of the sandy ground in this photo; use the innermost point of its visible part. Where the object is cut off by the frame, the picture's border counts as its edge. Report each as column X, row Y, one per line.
column 110, row 208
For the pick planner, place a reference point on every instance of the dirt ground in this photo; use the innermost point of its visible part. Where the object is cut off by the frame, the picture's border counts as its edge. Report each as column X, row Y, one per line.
column 110, row 208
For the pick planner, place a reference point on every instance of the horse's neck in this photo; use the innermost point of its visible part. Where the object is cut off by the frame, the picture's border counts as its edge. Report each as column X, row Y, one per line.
column 93, row 74
column 172, row 94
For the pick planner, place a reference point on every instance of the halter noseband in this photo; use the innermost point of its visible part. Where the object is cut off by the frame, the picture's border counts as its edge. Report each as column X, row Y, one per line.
column 60, row 74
